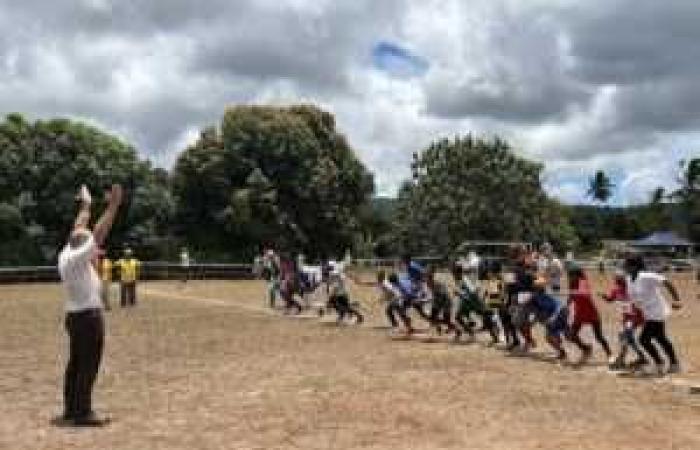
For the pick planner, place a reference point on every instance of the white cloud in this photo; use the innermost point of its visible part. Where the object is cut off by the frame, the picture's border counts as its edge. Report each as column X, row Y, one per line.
column 579, row 86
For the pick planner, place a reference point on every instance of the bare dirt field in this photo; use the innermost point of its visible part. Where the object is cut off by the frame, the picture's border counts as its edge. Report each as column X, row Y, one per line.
column 208, row 366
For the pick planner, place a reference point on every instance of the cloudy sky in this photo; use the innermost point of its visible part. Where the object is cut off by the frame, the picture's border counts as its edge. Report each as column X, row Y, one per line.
column 580, row 86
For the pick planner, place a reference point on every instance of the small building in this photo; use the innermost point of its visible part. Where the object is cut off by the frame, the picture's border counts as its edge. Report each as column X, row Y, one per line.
column 664, row 243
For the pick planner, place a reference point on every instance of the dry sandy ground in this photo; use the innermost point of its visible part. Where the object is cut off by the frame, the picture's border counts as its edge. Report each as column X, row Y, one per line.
column 208, row 366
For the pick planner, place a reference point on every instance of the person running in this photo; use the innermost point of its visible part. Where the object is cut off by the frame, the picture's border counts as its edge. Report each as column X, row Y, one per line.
column 506, row 315
column 288, row 285
column 441, row 312
column 397, row 304
column 584, row 313
column 551, row 268
column 470, row 303
column 493, row 295
column 411, row 284
column 522, row 291
column 632, row 318
column 339, row 299
column 84, row 320
column 644, row 289
column 552, row 314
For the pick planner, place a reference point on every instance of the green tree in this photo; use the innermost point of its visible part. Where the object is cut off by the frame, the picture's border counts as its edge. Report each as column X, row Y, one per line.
column 466, row 188
column 600, row 187
column 43, row 163
column 688, row 195
column 271, row 175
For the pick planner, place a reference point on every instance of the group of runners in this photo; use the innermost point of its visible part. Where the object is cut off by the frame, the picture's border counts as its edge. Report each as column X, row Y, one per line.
column 504, row 299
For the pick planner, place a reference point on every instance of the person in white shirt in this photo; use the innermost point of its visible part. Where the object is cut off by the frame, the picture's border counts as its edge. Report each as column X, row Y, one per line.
column 185, row 264
column 551, row 269
column 84, row 321
column 645, row 291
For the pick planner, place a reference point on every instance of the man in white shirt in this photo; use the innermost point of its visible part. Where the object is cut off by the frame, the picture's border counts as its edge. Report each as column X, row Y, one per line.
column 644, row 289
column 84, row 321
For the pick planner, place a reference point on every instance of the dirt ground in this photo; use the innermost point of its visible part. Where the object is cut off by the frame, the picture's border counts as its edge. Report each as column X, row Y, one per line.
column 208, row 366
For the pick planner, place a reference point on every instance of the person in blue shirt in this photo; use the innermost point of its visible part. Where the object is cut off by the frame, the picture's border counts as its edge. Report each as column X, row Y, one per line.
column 411, row 281
column 551, row 313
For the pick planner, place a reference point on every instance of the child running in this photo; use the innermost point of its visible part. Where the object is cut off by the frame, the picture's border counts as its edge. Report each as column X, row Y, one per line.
column 632, row 319
column 584, row 313
column 441, row 312
column 469, row 302
column 338, row 298
column 644, row 289
column 551, row 313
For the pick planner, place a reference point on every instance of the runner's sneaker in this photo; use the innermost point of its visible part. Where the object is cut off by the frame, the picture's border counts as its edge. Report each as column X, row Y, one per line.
column 674, row 368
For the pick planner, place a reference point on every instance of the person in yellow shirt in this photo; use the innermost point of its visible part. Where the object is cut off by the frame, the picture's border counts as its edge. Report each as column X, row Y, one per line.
column 106, row 279
column 129, row 273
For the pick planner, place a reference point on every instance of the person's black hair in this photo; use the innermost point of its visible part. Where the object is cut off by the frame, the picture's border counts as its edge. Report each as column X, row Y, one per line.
column 575, row 274
column 634, row 264
column 393, row 278
column 406, row 258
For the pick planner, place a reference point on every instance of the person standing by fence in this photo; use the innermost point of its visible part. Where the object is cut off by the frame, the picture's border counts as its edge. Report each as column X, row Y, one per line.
column 128, row 275
column 84, row 321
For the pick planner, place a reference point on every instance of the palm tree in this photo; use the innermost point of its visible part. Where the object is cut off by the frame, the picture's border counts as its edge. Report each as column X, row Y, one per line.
column 600, row 188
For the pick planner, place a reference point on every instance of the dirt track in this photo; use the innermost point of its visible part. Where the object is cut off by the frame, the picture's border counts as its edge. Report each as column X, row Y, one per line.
column 210, row 367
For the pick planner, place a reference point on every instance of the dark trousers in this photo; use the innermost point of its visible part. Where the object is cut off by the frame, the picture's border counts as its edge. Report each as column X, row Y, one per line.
column 395, row 308
column 509, row 329
column 341, row 304
column 597, row 333
column 86, row 334
column 655, row 330
column 128, row 294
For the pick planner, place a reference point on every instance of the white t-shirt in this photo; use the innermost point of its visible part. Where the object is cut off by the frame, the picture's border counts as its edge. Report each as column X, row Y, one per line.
column 79, row 276
column 185, row 259
column 645, row 292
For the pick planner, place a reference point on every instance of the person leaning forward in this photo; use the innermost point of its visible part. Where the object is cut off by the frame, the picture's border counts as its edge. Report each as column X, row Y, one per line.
column 84, row 320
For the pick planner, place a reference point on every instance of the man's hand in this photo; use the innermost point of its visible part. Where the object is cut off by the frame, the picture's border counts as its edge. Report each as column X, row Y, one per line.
column 84, row 195
column 115, row 195
column 114, row 199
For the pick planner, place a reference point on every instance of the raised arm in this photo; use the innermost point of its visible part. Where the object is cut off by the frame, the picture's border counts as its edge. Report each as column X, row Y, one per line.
column 103, row 225
column 82, row 220
column 674, row 294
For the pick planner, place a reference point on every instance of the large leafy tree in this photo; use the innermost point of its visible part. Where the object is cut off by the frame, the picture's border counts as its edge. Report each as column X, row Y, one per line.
column 271, row 175
column 467, row 188
column 688, row 195
column 41, row 166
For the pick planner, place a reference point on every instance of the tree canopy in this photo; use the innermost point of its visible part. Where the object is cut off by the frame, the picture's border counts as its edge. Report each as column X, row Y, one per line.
column 271, row 175
column 468, row 188
column 43, row 163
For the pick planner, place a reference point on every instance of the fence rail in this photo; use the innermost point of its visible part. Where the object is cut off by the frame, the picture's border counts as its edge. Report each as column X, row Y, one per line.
column 160, row 270
column 150, row 270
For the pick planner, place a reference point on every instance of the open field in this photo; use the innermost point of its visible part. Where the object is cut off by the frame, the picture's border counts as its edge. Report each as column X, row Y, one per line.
column 208, row 366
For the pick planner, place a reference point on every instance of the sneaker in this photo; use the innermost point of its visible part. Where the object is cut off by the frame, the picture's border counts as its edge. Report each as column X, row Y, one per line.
column 674, row 368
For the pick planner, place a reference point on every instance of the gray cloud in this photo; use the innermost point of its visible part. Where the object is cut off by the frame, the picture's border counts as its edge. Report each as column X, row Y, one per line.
column 574, row 84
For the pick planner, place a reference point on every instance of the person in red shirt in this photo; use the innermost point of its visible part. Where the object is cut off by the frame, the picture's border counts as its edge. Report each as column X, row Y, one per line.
column 584, row 313
column 632, row 318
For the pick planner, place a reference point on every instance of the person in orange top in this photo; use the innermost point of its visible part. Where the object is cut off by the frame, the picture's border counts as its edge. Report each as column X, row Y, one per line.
column 584, row 313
